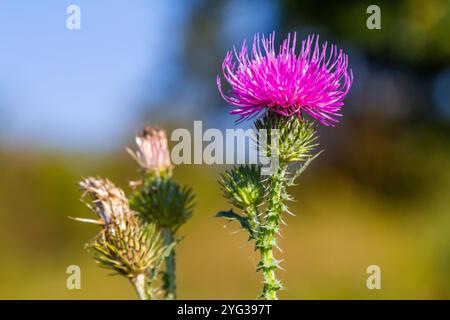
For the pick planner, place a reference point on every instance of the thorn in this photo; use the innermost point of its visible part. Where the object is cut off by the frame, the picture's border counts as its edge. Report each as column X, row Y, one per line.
column 279, row 266
column 278, row 247
column 93, row 221
column 291, row 213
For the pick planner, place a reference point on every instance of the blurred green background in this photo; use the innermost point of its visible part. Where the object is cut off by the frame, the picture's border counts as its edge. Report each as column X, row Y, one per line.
column 71, row 101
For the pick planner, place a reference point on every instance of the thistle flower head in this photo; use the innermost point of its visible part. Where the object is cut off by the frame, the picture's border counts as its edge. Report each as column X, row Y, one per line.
column 163, row 202
column 108, row 201
column 242, row 186
column 124, row 244
column 152, row 152
column 295, row 138
column 314, row 81
column 131, row 251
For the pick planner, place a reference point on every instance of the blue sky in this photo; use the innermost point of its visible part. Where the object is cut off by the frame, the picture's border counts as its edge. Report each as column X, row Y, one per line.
column 81, row 89
column 61, row 87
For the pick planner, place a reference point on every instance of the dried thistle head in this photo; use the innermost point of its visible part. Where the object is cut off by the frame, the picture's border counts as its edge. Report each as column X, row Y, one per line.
column 136, row 249
column 108, row 201
column 124, row 244
column 152, row 154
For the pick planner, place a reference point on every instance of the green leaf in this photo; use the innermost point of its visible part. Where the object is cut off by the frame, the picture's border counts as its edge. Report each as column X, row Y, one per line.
column 302, row 168
column 232, row 216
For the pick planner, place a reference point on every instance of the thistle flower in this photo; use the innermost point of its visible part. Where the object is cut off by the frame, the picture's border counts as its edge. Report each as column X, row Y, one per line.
column 153, row 153
column 124, row 244
column 314, row 81
column 283, row 86
column 158, row 199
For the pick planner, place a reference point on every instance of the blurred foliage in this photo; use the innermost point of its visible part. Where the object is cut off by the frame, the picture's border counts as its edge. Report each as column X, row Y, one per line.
column 412, row 32
column 341, row 226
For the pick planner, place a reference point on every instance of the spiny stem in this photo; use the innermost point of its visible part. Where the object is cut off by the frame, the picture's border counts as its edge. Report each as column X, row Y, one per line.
column 271, row 284
column 140, row 285
column 253, row 219
column 169, row 274
column 267, row 240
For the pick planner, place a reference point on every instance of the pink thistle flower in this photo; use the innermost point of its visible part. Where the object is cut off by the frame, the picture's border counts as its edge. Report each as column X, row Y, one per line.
column 315, row 81
column 152, row 153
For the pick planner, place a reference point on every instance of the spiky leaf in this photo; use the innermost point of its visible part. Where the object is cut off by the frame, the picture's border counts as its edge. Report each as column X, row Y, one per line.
column 232, row 216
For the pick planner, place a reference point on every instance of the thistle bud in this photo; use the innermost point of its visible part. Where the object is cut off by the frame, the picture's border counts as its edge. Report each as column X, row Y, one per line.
column 132, row 251
column 242, row 186
column 152, row 152
column 163, row 202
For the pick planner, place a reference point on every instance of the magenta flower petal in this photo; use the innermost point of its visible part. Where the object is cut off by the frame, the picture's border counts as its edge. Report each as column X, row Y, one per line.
column 315, row 81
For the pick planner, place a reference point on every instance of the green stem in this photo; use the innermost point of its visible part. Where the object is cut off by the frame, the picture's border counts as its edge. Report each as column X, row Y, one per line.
column 169, row 274
column 253, row 219
column 267, row 240
column 140, row 285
